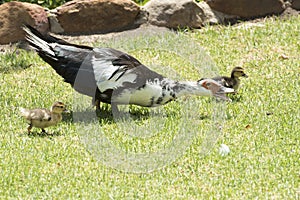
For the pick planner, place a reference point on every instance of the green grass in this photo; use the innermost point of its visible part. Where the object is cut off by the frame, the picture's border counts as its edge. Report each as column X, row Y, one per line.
column 261, row 127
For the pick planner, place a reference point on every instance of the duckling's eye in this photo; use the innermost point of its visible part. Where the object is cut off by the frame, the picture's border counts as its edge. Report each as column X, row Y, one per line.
column 60, row 106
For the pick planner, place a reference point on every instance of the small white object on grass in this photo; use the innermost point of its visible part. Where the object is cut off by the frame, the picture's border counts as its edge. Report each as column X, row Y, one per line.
column 224, row 150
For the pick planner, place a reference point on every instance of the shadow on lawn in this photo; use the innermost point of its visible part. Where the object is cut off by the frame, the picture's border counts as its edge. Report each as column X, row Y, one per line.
column 105, row 116
column 38, row 133
column 236, row 97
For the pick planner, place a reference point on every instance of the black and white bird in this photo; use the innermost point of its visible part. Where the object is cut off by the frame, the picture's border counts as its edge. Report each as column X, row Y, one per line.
column 234, row 80
column 114, row 77
column 43, row 118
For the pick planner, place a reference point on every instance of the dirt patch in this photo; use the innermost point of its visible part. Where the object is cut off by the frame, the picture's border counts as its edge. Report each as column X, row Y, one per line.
column 91, row 39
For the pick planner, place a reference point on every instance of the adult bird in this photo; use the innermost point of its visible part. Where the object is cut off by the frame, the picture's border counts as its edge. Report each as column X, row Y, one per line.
column 112, row 76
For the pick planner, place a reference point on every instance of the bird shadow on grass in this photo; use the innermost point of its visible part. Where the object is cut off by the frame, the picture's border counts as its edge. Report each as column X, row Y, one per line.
column 67, row 117
column 236, row 97
column 204, row 116
column 135, row 114
column 105, row 116
column 47, row 134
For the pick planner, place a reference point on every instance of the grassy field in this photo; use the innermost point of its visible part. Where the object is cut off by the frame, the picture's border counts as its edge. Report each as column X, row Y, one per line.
column 261, row 126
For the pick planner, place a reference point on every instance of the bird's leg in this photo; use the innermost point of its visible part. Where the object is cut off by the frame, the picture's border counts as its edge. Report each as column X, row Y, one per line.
column 97, row 104
column 96, row 100
column 29, row 128
column 115, row 110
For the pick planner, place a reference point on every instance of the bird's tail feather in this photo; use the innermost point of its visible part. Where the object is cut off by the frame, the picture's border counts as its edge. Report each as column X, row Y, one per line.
column 38, row 41
column 65, row 58
column 24, row 112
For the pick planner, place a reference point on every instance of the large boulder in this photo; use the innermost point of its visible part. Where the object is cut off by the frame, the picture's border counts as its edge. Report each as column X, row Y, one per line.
column 14, row 14
column 209, row 16
column 95, row 16
column 296, row 4
column 215, row 17
column 247, row 8
column 175, row 13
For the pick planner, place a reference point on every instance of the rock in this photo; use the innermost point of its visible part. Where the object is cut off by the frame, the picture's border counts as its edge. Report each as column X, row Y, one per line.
column 96, row 16
column 14, row 14
column 55, row 27
column 289, row 12
column 175, row 13
column 209, row 16
column 142, row 17
column 296, row 4
column 215, row 17
column 226, row 18
column 247, row 8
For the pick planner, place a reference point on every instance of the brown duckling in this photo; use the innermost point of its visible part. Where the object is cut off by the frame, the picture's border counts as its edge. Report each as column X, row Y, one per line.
column 43, row 118
column 233, row 81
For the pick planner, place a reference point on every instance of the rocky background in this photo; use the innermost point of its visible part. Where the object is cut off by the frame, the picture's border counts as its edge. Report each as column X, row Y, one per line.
column 86, row 17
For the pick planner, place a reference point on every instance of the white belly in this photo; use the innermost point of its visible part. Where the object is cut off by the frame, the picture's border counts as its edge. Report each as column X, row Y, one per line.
column 147, row 96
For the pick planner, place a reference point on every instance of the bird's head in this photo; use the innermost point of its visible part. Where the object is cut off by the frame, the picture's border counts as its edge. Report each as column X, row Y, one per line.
column 238, row 72
column 58, row 107
column 215, row 89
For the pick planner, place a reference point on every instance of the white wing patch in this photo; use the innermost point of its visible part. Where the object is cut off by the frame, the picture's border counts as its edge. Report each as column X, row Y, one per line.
column 104, row 69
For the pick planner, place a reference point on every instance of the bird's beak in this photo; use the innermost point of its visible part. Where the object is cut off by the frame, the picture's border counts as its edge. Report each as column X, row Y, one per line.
column 225, row 90
column 222, row 93
column 216, row 89
column 66, row 111
column 245, row 75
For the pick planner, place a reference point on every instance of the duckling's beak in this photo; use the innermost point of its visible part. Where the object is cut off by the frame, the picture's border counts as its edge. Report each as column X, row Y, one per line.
column 245, row 75
column 66, row 111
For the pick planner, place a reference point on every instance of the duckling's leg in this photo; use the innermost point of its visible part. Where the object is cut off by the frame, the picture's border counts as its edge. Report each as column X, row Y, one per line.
column 29, row 128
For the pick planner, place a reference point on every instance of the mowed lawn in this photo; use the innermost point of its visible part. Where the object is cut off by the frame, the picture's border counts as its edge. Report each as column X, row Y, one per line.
column 261, row 126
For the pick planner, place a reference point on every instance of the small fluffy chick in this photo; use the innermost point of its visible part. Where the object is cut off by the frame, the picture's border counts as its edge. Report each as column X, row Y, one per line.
column 43, row 118
column 234, row 80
